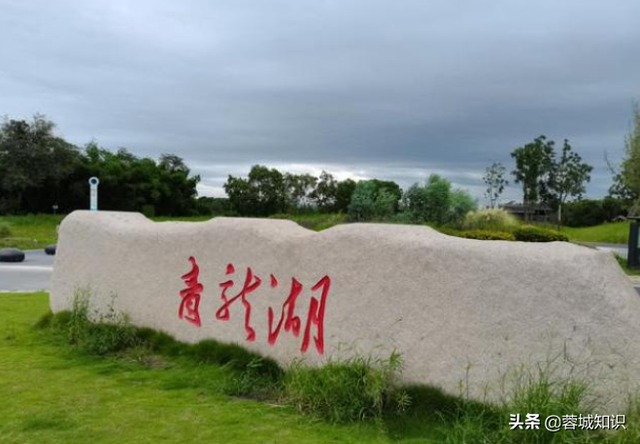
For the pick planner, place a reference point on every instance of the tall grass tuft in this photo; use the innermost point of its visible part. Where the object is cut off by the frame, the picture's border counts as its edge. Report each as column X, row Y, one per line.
column 104, row 334
column 5, row 230
column 353, row 390
column 491, row 220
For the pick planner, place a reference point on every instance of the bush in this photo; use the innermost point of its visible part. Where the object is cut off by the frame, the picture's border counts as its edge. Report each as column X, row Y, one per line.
column 5, row 230
column 461, row 204
column 490, row 219
column 530, row 233
column 370, row 201
column 586, row 213
column 353, row 390
column 435, row 202
column 486, row 235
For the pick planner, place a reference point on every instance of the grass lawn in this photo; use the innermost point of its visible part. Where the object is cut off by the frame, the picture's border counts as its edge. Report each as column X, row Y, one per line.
column 611, row 233
column 52, row 394
column 32, row 231
column 38, row 231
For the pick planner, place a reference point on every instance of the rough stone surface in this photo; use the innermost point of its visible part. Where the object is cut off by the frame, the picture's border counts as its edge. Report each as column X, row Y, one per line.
column 11, row 255
column 462, row 312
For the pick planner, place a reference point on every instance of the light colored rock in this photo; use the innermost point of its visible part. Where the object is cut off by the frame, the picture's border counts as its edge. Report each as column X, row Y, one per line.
column 459, row 311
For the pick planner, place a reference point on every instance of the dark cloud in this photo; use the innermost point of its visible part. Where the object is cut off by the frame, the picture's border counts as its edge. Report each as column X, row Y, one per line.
column 363, row 88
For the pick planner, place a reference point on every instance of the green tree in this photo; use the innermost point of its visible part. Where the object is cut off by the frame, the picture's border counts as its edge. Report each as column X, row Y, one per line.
column 392, row 188
column 533, row 166
column 438, row 196
column 567, row 177
column 129, row 183
column 415, row 203
column 33, row 163
column 461, row 204
column 263, row 193
column 325, row 193
column 630, row 171
column 243, row 197
column 371, row 201
column 344, row 192
column 495, row 181
column 362, row 207
column 298, row 188
column 431, row 202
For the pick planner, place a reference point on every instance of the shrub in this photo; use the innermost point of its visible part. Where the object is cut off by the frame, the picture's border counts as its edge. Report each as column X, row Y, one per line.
column 486, row 235
column 353, row 390
column 530, row 233
column 461, row 204
column 586, row 213
column 5, row 230
column 477, row 234
column 436, row 202
column 490, row 219
column 370, row 201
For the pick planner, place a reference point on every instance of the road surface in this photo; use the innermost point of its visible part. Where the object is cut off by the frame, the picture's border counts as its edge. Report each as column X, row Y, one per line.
column 33, row 274
column 619, row 249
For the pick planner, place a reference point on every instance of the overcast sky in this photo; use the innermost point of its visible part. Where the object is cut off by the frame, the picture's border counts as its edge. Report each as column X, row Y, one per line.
column 389, row 89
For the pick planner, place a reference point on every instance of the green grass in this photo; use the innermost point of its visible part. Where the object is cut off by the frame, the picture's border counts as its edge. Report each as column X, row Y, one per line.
column 610, row 233
column 53, row 392
column 623, row 264
column 314, row 221
column 37, row 231
column 31, row 232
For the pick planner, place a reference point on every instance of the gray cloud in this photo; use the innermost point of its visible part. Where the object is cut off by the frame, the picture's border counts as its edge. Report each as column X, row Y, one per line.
column 363, row 88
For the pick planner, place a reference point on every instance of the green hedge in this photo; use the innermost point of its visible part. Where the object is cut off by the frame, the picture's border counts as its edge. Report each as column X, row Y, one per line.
column 587, row 213
column 530, row 233
column 527, row 233
column 486, row 235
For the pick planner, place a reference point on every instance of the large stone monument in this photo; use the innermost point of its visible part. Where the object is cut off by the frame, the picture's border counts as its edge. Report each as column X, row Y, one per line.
column 457, row 310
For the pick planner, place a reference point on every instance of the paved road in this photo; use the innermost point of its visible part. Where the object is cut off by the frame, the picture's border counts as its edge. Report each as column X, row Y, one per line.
column 33, row 274
column 620, row 249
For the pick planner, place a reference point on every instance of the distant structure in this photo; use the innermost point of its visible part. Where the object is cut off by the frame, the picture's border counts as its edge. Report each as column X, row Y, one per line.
column 539, row 212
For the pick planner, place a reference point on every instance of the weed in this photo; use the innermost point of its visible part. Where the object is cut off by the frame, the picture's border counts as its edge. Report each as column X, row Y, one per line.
column 352, row 390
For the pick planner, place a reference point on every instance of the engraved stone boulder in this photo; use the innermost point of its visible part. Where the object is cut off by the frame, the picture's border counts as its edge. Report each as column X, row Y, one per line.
column 457, row 310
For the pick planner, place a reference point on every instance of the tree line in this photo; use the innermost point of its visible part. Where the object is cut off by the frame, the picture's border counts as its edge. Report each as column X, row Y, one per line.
column 41, row 172
column 267, row 191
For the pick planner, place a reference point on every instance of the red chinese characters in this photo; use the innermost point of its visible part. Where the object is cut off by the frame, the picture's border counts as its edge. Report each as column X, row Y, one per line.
column 287, row 314
column 190, row 304
column 251, row 283
column 287, row 321
column 315, row 316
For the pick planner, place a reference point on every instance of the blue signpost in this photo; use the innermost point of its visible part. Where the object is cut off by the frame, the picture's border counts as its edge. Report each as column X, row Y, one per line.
column 93, row 184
